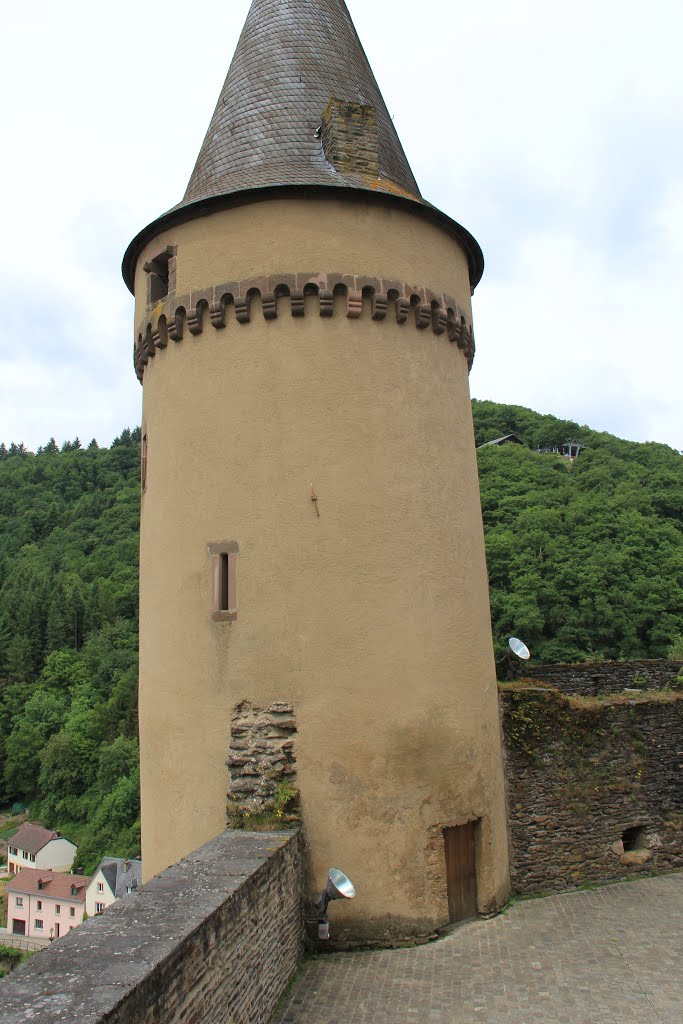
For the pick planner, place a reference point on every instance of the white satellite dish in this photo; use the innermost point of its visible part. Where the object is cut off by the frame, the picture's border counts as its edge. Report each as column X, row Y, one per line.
column 519, row 648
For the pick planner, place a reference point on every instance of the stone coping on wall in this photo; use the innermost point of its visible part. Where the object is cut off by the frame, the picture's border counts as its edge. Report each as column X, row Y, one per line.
column 214, row 939
column 593, row 678
column 374, row 297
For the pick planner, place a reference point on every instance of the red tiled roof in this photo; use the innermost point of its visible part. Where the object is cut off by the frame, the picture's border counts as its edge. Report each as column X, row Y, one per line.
column 32, row 838
column 54, row 884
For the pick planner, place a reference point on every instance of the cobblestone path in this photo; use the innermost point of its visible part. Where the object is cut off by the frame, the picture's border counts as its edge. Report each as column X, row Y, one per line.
column 609, row 956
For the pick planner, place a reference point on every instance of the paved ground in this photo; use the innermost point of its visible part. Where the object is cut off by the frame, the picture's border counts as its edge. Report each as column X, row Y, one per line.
column 610, row 956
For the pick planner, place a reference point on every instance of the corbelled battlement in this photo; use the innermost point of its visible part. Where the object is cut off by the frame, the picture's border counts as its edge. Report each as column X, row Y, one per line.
column 357, row 295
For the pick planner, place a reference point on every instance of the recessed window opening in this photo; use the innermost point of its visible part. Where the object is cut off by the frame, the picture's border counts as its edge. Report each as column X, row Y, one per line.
column 158, row 273
column 634, row 838
column 224, row 580
column 143, row 464
column 224, row 583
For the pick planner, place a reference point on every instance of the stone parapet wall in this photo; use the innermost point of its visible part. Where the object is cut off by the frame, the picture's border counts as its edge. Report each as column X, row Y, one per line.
column 594, row 677
column 213, row 940
column 580, row 774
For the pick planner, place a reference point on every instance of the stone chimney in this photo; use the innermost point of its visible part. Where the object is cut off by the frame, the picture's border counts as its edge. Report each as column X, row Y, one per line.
column 349, row 137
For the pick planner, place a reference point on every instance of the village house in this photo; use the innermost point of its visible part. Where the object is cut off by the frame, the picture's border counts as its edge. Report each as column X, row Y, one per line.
column 45, row 904
column 114, row 878
column 36, row 847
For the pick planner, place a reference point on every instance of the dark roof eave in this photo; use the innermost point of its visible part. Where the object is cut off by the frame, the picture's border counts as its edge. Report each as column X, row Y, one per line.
column 204, row 207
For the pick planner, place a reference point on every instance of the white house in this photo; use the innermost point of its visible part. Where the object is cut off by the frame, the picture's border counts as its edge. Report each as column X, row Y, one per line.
column 36, row 847
column 114, row 878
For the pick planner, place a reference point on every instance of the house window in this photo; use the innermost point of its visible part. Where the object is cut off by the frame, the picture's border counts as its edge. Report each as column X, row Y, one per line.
column 40, row 884
column 13, row 851
column 99, row 907
column 39, row 904
column 72, row 911
column 38, row 924
column 100, row 886
column 224, row 581
column 19, row 901
column 32, row 858
column 58, row 909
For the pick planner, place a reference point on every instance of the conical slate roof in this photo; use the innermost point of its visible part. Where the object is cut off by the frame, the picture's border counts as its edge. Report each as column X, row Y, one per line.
column 266, row 134
column 292, row 58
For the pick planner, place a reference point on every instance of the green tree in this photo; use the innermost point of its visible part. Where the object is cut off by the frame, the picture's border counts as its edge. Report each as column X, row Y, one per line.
column 42, row 715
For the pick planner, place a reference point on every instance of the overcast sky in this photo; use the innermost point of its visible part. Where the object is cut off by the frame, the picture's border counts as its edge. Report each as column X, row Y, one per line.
column 553, row 132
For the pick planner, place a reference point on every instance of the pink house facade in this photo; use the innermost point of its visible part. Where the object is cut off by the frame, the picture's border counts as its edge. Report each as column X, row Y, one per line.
column 45, row 904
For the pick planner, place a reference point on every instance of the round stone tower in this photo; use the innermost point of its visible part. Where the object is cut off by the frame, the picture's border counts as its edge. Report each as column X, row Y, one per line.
column 314, row 617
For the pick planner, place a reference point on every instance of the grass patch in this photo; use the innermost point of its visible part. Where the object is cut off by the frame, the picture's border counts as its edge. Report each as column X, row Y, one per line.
column 11, row 958
column 3, row 905
column 663, row 696
column 8, row 826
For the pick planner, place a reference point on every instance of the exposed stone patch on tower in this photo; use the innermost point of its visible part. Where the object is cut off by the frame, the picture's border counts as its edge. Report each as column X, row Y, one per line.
column 262, row 764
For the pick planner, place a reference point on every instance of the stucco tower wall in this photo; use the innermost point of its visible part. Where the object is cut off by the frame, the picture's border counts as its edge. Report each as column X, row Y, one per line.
column 373, row 619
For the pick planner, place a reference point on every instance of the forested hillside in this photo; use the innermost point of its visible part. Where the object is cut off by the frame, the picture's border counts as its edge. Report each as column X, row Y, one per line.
column 585, row 558
column 68, row 641
column 585, row 561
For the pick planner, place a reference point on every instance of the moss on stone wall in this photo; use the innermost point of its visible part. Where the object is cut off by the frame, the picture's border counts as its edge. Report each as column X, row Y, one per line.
column 581, row 772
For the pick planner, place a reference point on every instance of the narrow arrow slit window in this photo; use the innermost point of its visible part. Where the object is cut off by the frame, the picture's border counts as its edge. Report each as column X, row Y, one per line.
column 224, row 581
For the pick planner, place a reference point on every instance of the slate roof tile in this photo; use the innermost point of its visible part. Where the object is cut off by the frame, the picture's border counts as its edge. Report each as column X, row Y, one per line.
column 291, row 60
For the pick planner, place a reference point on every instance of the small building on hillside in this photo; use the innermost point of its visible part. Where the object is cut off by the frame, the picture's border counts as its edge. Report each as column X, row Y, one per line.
column 45, row 904
column 507, row 439
column 569, row 450
column 36, row 847
column 114, row 878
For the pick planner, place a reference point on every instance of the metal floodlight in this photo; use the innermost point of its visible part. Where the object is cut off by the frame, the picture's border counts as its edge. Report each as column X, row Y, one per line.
column 519, row 648
column 338, row 887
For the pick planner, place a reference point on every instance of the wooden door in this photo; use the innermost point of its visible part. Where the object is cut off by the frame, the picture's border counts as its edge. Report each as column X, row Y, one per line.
column 461, row 871
column 18, row 927
column 57, row 931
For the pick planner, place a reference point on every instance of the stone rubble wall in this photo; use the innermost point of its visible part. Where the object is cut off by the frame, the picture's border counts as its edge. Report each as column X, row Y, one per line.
column 213, row 940
column 591, row 678
column 579, row 774
column 261, row 756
